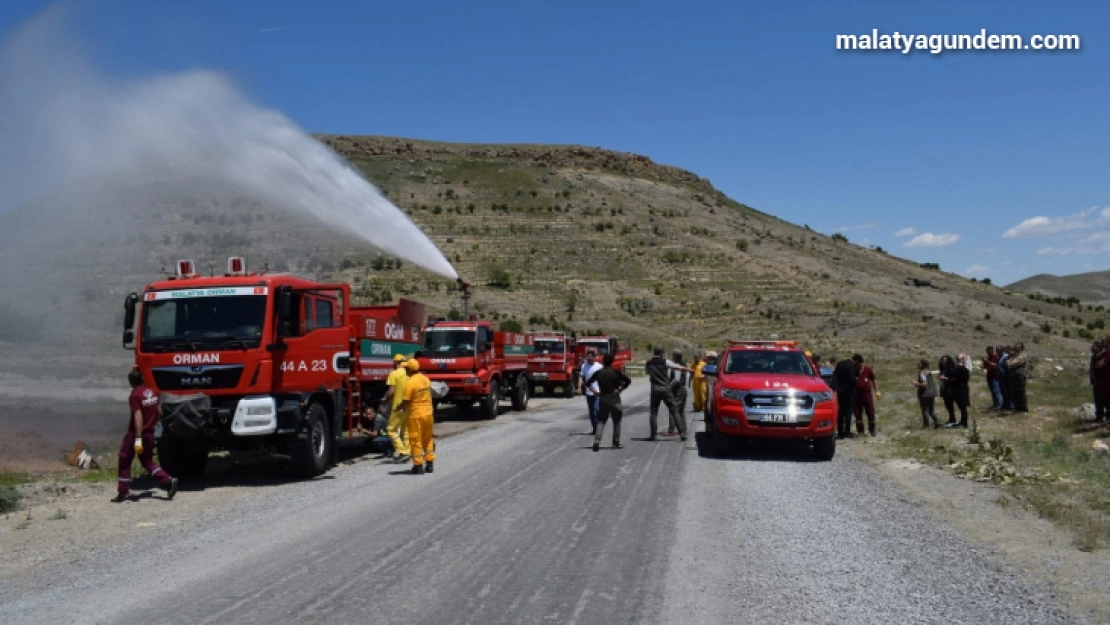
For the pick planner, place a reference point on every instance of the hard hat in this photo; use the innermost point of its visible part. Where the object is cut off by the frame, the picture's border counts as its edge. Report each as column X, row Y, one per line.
column 398, row 358
column 412, row 365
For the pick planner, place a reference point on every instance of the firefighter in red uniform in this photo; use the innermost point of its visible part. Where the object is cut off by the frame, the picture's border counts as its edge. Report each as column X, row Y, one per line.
column 145, row 409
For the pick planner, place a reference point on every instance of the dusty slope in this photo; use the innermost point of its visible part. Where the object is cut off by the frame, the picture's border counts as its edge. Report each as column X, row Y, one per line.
column 585, row 237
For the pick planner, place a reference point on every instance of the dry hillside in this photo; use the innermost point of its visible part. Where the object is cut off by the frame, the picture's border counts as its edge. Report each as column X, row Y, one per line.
column 566, row 236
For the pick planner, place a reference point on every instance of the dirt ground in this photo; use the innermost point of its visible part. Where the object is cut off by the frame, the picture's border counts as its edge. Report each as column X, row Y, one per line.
column 65, row 517
column 1033, row 546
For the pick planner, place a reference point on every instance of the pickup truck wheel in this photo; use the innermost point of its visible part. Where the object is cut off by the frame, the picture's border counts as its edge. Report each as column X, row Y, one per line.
column 720, row 445
column 489, row 407
column 180, row 461
column 520, row 397
column 312, row 447
column 824, row 448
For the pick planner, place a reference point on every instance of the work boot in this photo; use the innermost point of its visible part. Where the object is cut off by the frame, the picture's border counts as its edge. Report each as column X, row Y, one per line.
column 402, row 459
column 418, row 469
column 597, row 446
column 124, row 498
column 171, row 488
column 616, row 445
column 430, row 466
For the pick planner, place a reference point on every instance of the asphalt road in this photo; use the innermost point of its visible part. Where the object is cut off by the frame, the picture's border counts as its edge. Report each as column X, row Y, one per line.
column 523, row 523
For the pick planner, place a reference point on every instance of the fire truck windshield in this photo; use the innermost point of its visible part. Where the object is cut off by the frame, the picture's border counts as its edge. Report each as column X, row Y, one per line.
column 221, row 322
column 599, row 347
column 438, row 342
column 550, row 346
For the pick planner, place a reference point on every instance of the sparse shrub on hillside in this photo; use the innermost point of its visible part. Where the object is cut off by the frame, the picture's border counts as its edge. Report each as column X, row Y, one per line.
column 1066, row 334
column 986, row 280
column 979, row 328
column 498, row 277
column 1046, row 327
column 453, row 314
column 572, row 301
column 840, row 238
column 510, row 325
column 987, row 317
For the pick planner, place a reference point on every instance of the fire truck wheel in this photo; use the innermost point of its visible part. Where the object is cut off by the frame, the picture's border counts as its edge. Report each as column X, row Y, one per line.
column 181, row 461
column 312, row 447
column 568, row 389
column 520, row 397
column 490, row 405
column 824, row 448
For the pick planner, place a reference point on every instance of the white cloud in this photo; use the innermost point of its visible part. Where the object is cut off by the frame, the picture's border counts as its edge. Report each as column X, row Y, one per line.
column 905, row 232
column 929, row 239
column 1041, row 225
column 851, row 228
column 1055, row 251
column 990, row 250
column 977, row 270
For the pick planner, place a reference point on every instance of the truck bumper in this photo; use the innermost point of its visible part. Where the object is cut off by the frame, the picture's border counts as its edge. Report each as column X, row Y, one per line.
column 734, row 422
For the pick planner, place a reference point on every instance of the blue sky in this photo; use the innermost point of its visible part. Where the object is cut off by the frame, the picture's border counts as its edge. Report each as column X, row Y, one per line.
column 992, row 164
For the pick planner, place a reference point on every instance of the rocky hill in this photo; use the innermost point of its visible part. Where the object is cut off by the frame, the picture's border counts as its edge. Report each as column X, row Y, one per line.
column 551, row 236
column 1090, row 288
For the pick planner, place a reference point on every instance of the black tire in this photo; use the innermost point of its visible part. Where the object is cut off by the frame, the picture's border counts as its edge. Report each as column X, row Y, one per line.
column 720, row 445
column 492, row 402
column 520, row 397
column 312, row 447
column 824, row 448
column 568, row 388
column 181, row 461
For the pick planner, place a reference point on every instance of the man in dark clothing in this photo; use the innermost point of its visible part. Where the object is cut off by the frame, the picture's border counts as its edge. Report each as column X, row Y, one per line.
column 990, row 365
column 610, row 383
column 955, row 378
column 1098, row 363
column 678, row 389
column 145, row 409
column 1017, row 370
column 844, row 377
column 658, row 370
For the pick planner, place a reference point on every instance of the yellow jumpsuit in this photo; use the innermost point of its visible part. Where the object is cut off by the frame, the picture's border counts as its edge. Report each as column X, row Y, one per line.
column 397, row 416
column 700, row 388
column 418, row 394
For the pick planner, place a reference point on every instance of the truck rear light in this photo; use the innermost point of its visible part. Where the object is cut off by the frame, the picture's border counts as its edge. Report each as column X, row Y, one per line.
column 236, row 266
column 186, row 269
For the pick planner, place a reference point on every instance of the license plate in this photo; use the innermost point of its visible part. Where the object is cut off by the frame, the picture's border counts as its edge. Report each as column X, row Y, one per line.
column 778, row 418
column 540, row 376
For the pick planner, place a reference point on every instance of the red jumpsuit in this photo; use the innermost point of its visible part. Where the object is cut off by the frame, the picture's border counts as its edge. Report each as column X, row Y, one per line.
column 144, row 399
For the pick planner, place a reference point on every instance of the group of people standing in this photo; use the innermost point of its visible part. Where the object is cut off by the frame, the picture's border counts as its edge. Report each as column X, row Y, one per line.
column 669, row 380
column 1007, row 370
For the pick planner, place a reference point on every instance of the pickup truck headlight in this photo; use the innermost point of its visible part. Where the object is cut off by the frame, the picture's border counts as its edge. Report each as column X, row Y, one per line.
column 733, row 393
column 822, row 396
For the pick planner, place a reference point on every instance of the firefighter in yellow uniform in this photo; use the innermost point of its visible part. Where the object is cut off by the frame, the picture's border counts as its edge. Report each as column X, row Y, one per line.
column 699, row 385
column 397, row 417
column 417, row 405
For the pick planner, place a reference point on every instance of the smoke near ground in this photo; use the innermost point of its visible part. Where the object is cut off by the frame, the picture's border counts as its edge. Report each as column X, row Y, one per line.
column 69, row 129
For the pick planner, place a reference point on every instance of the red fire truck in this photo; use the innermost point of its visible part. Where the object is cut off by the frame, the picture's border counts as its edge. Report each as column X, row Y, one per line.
column 256, row 361
column 554, row 363
column 601, row 345
column 478, row 364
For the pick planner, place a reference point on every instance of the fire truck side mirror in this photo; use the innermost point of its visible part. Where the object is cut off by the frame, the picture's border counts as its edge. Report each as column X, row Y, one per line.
column 129, row 305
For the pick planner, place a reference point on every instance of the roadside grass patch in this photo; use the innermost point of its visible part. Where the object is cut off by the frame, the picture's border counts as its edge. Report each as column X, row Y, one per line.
column 10, row 497
column 1042, row 460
